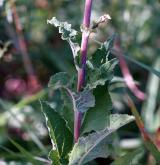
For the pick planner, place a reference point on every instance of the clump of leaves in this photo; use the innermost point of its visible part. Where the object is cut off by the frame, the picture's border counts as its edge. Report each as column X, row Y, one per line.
column 93, row 101
column 83, row 128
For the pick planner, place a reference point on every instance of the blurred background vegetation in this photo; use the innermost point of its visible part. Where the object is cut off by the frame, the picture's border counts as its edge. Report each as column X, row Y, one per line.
column 136, row 22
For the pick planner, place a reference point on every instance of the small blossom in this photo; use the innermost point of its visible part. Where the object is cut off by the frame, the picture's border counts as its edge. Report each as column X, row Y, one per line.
column 103, row 18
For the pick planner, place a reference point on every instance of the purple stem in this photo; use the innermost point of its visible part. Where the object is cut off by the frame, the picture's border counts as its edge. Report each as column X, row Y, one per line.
column 82, row 72
column 129, row 80
column 126, row 73
column 77, row 126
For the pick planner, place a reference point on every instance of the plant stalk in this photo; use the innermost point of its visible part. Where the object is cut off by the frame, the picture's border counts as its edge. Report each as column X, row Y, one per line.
column 22, row 45
column 126, row 73
column 82, row 70
column 148, row 142
column 33, row 81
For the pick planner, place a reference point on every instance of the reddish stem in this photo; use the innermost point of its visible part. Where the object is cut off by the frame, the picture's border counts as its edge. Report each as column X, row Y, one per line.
column 138, row 119
column 82, row 70
column 21, row 40
column 129, row 80
column 77, row 126
column 33, row 82
column 126, row 73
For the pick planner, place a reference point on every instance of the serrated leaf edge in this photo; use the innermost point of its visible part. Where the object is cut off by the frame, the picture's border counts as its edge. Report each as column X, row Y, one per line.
column 74, row 46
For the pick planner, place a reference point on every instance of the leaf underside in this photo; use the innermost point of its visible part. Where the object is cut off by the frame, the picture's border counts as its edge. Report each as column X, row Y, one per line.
column 97, row 144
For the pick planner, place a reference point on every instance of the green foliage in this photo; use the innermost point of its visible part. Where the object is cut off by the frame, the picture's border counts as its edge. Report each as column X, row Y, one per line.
column 63, row 82
column 81, row 101
column 84, row 100
column 93, row 101
column 97, row 144
column 99, row 69
column 25, row 153
column 68, row 34
column 132, row 157
column 100, row 56
column 149, row 143
column 61, row 137
column 50, row 55
column 64, row 28
column 153, row 149
column 97, row 118
column 59, row 80
column 149, row 110
column 67, row 111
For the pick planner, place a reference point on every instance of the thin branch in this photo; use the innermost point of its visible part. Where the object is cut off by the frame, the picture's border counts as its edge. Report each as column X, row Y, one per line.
column 126, row 73
column 22, row 44
column 147, row 140
column 32, row 78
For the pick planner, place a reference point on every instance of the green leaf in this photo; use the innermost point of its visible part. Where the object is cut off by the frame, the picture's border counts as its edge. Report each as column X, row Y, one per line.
column 101, row 54
column 99, row 69
column 68, row 34
column 81, row 101
column 64, row 28
column 119, row 120
column 97, row 118
column 132, row 158
column 99, row 57
column 108, row 44
column 99, row 74
column 25, row 153
column 97, row 144
column 62, row 104
column 61, row 137
column 153, row 149
column 53, row 155
column 59, row 80
column 62, row 80
column 149, row 112
column 68, row 111
column 84, row 100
